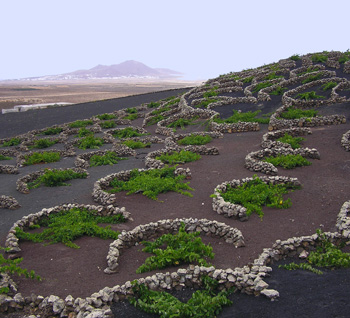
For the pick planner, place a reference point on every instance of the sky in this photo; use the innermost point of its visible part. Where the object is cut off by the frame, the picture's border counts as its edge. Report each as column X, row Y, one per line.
column 201, row 39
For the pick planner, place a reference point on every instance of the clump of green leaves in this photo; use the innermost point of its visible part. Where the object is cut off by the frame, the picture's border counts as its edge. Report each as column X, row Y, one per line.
column 295, row 57
column 178, row 157
column 127, row 132
column 206, row 102
column 194, row 140
column 309, row 95
column 66, row 226
column 319, row 58
column 106, row 116
column 203, row 303
column 153, row 104
column 56, row 178
column 136, row 144
column 293, row 141
column 278, row 91
column 239, row 116
column 90, row 142
column 52, row 131
column 108, row 124
column 210, row 93
column 344, row 58
column 311, row 78
column 152, row 182
column 178, row 248
column 43, row 143
column 155, row 120
column 329, row 85
column 289, row 161
column 182, row 122
column 160, row 110
column 261, row 85
column 44, row 157
column 326, row 255
column 80, row 123
column 272, row 76
column 2, row 157
column 109, row 158
column 12, row 142
column 83, row 132
column 247, row 80
column 297, row 113
column 255, row 194
column 11, row 266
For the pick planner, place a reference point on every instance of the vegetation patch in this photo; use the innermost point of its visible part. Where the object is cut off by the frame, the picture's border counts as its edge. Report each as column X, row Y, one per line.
column 43, row 143
column 136, row 144
column 11, row 266
column 90, row 142
column 311, row 78
column 12, row 142
column 56, row 178
column 309, row 95
column 197, row 140
column 329, row 85
column 83, row 132
column 159, row 111
column 206, row 102
column 152, row 182
column 272, row 76
column 295, row 57
column 182, row 122
column 203, row 303
column 260, row 86
column 297, row 113
column 255, row 194
column 108, row 124
column 2, row 157
column 319, row 58
column 289, row 161
column 155, row 120
column 110, row 158
column 153, row 104
column 80, row 123
column 127, row 132
column 178, row 157
column 293, row 141
column 278, row 91
column 211, row 93
column 66, row 226
column 239, row 116
column 52, row 131
column 106, row 116
column 326, row 255
column 44, row 157
column 176, row 249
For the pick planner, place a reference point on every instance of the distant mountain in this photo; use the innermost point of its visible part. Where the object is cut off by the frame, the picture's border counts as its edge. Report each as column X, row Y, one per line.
column 127, row 69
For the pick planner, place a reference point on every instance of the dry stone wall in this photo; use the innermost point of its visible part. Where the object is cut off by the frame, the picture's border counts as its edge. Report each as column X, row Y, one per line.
column 8, row 202
column 345, row 141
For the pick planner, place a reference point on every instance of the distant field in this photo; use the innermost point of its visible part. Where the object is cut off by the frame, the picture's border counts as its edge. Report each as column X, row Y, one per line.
column 14, row 93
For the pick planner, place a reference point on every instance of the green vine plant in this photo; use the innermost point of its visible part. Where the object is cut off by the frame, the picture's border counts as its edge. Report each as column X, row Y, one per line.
column 127, row 132
column 56, row 178
column 109, row 158
column 182, row 122
column 294, row 142
column 136, row 144
column 106, row 116
column 289, row 161
column 311, row 78
column 80, row 123
column 12, row 142
column 176, row 249
column 327, row 255
column 2, row 157
column 45, row 157
column 309, row 95
column 83, row 132
column 197, row 140
column 297, row 113
column 52, row 131
column 178, row 157
column 239, row 116
column 108, row 124
column 66, row 226
column 255, row 194
column 152, row 182
column 329, row 85
column 11, row 266
column 90, row 142
column 43, row 143
column 207, row 302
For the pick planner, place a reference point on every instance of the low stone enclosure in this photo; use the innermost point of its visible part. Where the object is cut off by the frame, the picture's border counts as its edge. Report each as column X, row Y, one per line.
column 8, row 202
column 238, row 211
column 345, row 141
column 102, row 197
column 152, row 230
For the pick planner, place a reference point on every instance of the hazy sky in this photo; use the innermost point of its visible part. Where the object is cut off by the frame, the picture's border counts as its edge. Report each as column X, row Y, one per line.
column 202, row 39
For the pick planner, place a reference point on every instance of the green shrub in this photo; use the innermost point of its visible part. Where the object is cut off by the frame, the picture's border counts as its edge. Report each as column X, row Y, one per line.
column 2, row 157
column 288, row 161
column 12, row 142
column 173, row 101
column 309, row 95
column 153, row 104
column 243, row 117
column 210, row 93
column 344, row 59
column 155, row 120
column 80, row 123
column 182, row 122
column 255, row 193
column 260, row 86
column 296, row 113
column 131, row 116
column 176, row 249
column 203, row 303
column 159, row 111
column 136, row 144
column 278, row 91
column 152, row 182
column 293, row 141
column 127, row 132
column 43, row 143
column 56, row 178
column 194, row 140
column 131, row 110
column 329, row 85
column 206, row 102
column 66, row 226
column 311, row 78
column 319, row 58
column 295, row 57
column 247, row 80
column 106, row 116
column 11, row 266
column 44, row 157
column 108, row 124
column 90, row 142
column 83, row 132
column 272, row 76
column 110, row 158
column 178, row 157
column 52, row 131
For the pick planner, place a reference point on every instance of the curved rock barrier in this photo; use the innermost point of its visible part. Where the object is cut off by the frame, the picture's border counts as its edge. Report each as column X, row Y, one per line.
column 345, row 141
column 238, row 211
column 154, row 229
column 269, row 139
column 22, row 183
column 33, row 218
column 8, row 202
column 343, row 220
